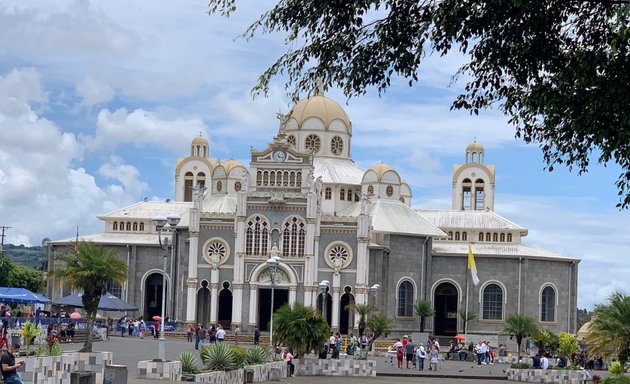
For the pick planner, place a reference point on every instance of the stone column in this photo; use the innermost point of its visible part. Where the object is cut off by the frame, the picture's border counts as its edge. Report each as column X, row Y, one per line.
column 214, row 295
column 253, row 303
column 191, row 282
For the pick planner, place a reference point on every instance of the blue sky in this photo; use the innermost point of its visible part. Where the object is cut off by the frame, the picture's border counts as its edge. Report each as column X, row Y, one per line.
column 99, row 99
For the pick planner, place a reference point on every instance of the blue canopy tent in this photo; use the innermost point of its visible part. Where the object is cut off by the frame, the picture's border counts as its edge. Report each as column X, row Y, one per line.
column 108, row 302
column 21, row 295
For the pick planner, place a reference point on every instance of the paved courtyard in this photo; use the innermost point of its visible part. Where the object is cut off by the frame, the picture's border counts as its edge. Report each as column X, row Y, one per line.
column 129, row 350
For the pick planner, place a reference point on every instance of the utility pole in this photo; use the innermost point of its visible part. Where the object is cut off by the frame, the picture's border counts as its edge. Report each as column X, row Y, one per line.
column 2, row 236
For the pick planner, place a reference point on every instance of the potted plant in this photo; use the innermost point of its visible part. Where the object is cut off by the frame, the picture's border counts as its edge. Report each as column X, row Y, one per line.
column 29, row 331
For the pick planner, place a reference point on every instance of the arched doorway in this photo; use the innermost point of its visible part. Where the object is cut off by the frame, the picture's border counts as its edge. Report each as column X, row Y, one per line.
column 445, row 304
column 328, row 306
column 225, row 306
column 153, row 295
column 346, row 314
column 280, row 296
column 203, row 304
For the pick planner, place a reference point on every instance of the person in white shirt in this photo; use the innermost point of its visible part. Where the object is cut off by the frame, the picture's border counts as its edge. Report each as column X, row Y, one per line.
column 421, row 354
column 544, row 362
column 220, row 334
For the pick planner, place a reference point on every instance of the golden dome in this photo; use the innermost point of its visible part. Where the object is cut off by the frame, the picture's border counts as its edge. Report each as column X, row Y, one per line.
column 474, row 147
column 380, row 169
column 321, row 107
column 200, row 140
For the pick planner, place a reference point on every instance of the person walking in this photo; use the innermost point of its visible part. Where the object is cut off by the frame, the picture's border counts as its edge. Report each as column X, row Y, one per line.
column 256, row 336
column 410, row 352
column 197, row 329
column 189, row 332
column 421, row 354
column 4, row 333
column 288, row 359
column 9, row 367
column 220, row 333
column 434, row 356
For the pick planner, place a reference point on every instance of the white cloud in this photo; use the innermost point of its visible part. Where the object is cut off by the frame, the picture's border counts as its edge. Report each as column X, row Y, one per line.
column 24, row 85
column 93, row 92
column 125, row 174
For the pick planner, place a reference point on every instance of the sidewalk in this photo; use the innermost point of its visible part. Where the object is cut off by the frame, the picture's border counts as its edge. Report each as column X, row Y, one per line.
column 129, row 350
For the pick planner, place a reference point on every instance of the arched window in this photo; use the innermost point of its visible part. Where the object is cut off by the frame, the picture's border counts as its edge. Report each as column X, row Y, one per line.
column 328, row 194
column 293, row 237
column 464, row 236
column 509, row 237
column 502, row 237
column 492, row 302
column 488, row 236
column 142, row 226
column 479, row 196
column 405, row 299
column 115, row 226
column 389, row 191
column 548, row 304
column 349, row 195
column 135, row 226
column 480, row 236
column 466, row 194
column 189, row 178
column 128, row 226
column 370, row 189
column 450, row 235
column 495, row 237
column 257, row 236
column 342, row 194
column 456, row 236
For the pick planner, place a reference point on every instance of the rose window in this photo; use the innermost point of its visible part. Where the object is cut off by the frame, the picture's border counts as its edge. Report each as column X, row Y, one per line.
column 312, row 143
column 237, row 186
column 336, row 145
column 291, row 140
column 338, row 254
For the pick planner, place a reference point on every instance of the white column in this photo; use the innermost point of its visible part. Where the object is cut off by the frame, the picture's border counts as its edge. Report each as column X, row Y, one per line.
column 237, row 304
column 292, row 295
column 253, row 302
column 191, row 282
column 239, row 268
column 214, row 295
column 335, row 307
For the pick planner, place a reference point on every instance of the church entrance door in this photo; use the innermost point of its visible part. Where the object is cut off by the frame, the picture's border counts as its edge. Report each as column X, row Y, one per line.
column 153, row 295
column 445, row 305
column 203, row 304
column 280, row 298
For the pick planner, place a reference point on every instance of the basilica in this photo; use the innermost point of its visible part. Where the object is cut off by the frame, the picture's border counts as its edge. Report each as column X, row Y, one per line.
column 336, row 234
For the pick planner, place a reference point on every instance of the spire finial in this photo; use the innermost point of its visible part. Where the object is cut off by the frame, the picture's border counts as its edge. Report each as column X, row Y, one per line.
column 319, row 86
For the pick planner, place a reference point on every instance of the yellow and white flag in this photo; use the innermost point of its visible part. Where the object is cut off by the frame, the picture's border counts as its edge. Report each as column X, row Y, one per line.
column 472, row 266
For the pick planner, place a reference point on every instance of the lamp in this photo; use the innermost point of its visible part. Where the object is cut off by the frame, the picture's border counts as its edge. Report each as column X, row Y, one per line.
column 272, row 264
column 160, row 223
column 323, row 287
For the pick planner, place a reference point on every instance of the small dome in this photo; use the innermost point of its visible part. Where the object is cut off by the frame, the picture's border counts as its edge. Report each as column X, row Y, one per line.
column 380, row 169
column 321, row 107
column 229, row 165
column 474, row 147
column 200, row 140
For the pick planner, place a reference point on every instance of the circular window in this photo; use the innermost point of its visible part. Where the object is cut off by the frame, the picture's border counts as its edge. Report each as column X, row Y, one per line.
column 237, row 186
column 312, row 143
column 402, row 200
column 336, row 145
column 389, row 191
column 216, row 251
column 370, row 189
column 219, row 186
column 338, row 255
column 291, row 140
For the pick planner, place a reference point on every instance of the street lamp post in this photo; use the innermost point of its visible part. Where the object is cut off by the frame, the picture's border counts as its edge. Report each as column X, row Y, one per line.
column 272, row 264
column 323, row 287
column 160, row 223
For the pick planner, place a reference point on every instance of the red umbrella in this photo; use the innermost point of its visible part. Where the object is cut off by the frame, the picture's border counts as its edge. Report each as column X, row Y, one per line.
column 157, row 318
column 75, row 315
column 460, row 337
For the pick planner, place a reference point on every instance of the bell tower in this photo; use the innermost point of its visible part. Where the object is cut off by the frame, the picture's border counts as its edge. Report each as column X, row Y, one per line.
column 473, row 182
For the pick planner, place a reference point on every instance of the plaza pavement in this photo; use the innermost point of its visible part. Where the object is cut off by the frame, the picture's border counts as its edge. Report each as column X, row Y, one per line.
column 129, row 350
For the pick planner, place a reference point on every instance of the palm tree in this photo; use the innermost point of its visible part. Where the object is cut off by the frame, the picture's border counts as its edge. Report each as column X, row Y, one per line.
column 423, row 309
column 466, row 317
column 364, row 311
column 89, row 267
column 520, row 326
column 300, row 328
column 378, row 325
column 609, row 331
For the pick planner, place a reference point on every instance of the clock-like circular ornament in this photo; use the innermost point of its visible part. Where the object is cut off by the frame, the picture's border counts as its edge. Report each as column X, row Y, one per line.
column 279, row 156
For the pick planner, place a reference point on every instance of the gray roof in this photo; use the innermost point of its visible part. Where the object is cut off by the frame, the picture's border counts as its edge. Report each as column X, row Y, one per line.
column 338, row 171
column 494, row 249
column 468, row 219
column 392, row 216
column 150, row 209
column 114, row 238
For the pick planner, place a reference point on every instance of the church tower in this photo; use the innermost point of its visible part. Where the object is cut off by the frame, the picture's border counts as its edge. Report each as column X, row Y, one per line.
column 194, row 170
column 473, row 182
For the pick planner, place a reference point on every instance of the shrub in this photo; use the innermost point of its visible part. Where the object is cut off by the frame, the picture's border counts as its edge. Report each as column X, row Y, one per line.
column 239, row 355
column 189, row 362
column 617, row 370
column 55, row 350
column 519, row 366
column 256, row 355
column 616, row 380
column 218, row 357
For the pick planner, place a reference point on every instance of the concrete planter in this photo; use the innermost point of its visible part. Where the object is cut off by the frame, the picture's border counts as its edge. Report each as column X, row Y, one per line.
column 335, row 367
column 160, row 370
column 91, row 362
column 561, row 376
column 261, row 373
column 46, row 369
